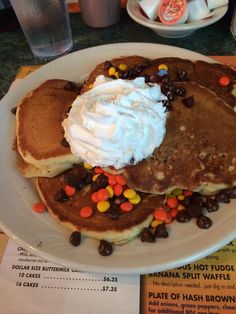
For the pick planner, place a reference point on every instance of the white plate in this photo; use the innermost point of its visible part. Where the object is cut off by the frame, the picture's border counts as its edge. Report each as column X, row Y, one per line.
column 172, row 31
column 40, row 234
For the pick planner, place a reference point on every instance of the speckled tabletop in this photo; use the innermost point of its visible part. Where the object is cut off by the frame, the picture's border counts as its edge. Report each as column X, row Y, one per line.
column 212, row 40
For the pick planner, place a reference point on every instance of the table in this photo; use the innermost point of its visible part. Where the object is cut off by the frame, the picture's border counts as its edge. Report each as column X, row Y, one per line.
column 212, row 40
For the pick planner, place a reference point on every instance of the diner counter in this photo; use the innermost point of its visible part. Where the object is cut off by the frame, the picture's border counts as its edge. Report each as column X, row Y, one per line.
column 212, row 40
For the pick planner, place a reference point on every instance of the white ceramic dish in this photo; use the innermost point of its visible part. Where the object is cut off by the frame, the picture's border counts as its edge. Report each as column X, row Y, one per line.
column 173, row 31
column 40, row 234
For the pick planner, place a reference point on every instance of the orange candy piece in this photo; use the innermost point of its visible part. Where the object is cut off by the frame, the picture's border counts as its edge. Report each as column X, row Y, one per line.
column 112, row 179
column 69, row 190
column 118, row 189
column 160, row 214
column 172, row 202
column 120, row 180
column 39, row 207
column 94, row 197
column 86, row 211
column 174, row 212
column 126, row 206
column 224, row 80
column 102, row 195
column 98, row 170
column 169, row 218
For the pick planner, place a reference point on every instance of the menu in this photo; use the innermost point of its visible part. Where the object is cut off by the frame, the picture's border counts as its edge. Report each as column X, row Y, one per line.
column 38, row 286
column 204, row 287
column 207, row 286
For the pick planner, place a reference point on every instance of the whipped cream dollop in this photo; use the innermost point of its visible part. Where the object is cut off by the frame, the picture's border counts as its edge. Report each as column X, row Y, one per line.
column 117, row 122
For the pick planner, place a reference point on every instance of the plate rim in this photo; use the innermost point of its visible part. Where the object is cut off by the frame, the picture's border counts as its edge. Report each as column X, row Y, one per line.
column 91, row 268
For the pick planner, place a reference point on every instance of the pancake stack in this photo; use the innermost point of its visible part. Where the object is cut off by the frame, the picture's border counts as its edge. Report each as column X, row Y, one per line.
column 198, row 152
column 114, row 225
column 40, row 136
column 202, row 73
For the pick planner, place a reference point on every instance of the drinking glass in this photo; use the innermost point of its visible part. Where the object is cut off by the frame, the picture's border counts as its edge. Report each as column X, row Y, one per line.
column 46, row 26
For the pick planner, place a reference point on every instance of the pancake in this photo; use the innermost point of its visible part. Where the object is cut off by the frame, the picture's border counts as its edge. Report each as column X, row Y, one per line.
column 200, row 72
column 39, row 130
column 178, row 69
column 209, row 75
column 198, row 152
column 47, row 170
column 100, row 225
column 135, row 64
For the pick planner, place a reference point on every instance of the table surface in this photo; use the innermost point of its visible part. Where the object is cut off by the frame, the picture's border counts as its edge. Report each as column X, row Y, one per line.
column 212, row 40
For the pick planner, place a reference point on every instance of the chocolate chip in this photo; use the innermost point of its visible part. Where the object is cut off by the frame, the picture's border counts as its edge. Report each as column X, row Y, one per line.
column 73, row 180
column 196, row 198
column 211, row 205
column 231, row 192
column 64, row 143
column 167, row 87
column 204, row 222
column 94, row 187
column 123, row 74
column 166, row 80
column 114, row 212
column 194, row 210
column 105, row 248
column 88, row 178
column 186, row 201
column 13, row 110
column 132, row 161
column 167, row 104
column 170, row 95
column 113, row 77
column 153, row 78
column 137, row 69
column 179, row 91
column 80, row 172
column 189, row 101
column 183, row 216
column 146, row 78
column 168, row 107
column 75, row 238
column 102, row 181
column 61, row 196
column 222, row 197
column 147, row 235
column 182, row 75
column 107, row 65
column 131, row 73
column 161, row 231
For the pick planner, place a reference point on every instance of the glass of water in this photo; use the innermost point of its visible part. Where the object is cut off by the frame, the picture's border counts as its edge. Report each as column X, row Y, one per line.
column 46, row 26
